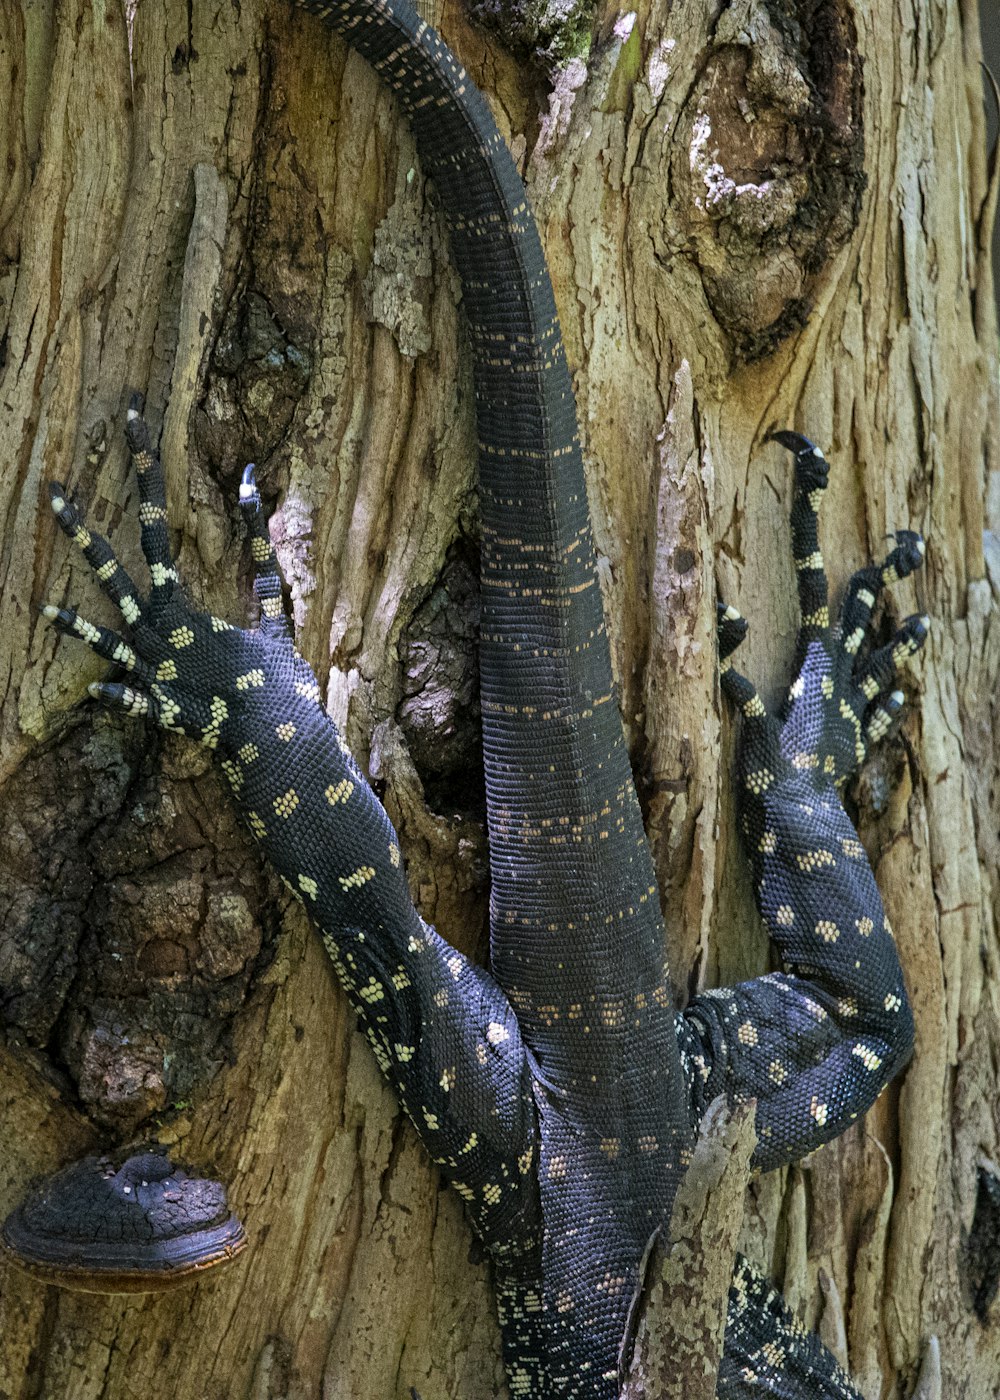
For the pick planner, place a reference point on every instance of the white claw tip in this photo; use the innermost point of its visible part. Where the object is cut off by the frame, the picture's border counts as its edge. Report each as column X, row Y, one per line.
column 817, row 452
column 897, row 697
column 132, row 414
column 927, row 622
column 921, row 547
column 58, row 504
column 731, row 614
column 247, row 493
column 49, row 612
column 95, row 689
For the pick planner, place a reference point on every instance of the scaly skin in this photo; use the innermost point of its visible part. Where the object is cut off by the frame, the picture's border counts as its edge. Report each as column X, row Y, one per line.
column 561, row 1094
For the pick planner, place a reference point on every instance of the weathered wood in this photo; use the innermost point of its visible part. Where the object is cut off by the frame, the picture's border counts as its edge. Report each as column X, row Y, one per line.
column 682, row 1314
column 229, row 215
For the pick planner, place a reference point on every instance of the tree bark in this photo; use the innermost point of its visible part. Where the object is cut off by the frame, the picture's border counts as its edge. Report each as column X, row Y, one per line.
column 219, row 206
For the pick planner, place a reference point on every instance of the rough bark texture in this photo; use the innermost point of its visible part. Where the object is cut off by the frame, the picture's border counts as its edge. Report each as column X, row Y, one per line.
column 221, row 208
column 681, row 1313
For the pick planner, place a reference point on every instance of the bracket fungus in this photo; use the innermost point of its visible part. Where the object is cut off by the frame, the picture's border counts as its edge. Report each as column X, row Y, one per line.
column 104, row 1225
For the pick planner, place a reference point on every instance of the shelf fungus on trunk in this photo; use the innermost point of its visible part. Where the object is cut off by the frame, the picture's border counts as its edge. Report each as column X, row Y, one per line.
column 141, row 1225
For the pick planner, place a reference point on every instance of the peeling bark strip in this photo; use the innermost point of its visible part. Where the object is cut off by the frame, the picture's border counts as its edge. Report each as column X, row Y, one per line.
column 360, row 1265
column 682, row 1315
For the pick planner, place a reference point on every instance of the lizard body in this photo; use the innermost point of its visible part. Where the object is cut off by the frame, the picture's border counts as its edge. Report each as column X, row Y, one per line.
column 560, row 1093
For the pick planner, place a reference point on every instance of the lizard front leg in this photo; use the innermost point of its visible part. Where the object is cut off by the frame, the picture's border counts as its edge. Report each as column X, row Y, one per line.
column 816, row 1042
column 441, row 1029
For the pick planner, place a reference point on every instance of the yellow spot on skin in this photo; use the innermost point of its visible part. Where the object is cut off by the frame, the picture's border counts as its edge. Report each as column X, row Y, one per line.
column 611, row 1147
column 847, row 1007
column 339, row 792
column 260, row 549
column 491, row 1194
column 161, row 574
column 394, row 853
column 308, row 886
column 357, row 878
column 747, row 1034
column 472, row 1142
column 754, row 708
column 819, row 1110
column 648, row 1143
column 256, row 825
column 181, row 637
column 285, row 731
column 447, row 1080
column 768, row 843
column 776, row 1072
column 106, row 570
column 430, row 1119
column 864, row 926
column 826, row 687
column 373, row 992
column 400, row 980
column 404, row 1053
column 497, row 1034
column 814, row 860
column 218, row 625
column 892, row 1002
column 852, row 847
column 166, row 671
column 827, row 930
column 249, row 752
column 250, row 680
column 234, row 773
column 785, row 915
column 867, row 1056
column 129, row 610
column 557, row 1169
column 525, row 1160
column 286, row 804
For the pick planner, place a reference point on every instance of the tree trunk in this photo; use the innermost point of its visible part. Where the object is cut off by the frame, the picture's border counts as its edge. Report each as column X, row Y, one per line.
column 220, row 207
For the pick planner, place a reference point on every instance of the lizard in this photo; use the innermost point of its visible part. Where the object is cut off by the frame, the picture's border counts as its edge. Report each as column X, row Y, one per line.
column 560, row 1091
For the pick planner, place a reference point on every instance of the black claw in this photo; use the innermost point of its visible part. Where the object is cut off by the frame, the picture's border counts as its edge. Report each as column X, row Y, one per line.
column 60, row 618
column 812, row 470
column 249, row 495
column 795, row 442
column 909, row 552
column 65, row 510
column 731, row 628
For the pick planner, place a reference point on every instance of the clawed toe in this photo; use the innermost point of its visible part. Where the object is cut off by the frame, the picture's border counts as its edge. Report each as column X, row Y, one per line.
column 731, row 628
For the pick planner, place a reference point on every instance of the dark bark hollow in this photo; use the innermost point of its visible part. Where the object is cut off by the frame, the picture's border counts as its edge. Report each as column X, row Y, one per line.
column 769, row 164
column 141, row 1225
